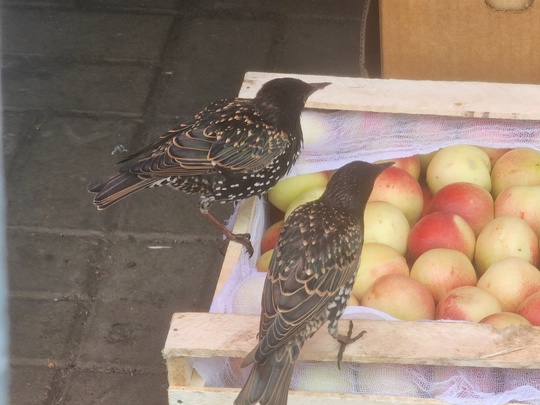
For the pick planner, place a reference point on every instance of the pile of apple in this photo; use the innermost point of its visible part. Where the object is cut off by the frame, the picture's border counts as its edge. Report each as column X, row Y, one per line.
column 453, row 234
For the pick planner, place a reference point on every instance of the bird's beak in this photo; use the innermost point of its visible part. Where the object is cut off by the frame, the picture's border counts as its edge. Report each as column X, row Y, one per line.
column 318, row 86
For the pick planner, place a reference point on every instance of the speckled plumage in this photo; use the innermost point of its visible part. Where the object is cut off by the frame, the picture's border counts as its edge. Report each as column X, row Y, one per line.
column 309, row 281
column 231, row 150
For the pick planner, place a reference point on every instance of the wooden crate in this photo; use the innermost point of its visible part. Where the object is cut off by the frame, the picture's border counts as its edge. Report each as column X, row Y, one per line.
column 204, row 335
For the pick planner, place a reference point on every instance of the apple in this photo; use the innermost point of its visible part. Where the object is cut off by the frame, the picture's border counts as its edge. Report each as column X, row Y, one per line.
column 246, row 298
column 494, row 153
column 530, row 309
column 410, row 164
column 470, row 201
column 321, row 376
column 441, row 230
column 511, row 281
column 426, row 194
column 288, row 189
column 459, row 163
column 520, row 201
column 263, row 262
column 399, row 188
column 501, row 320
column 441, row 270
column 353, row 301
column 401, row 297
column 425, row 160
column 385, row 223
column 310, row 195
column 517, row 167
column 270, row 236
column 467, row 303
column 388, row 379
column 505, row 237
column 377, row 260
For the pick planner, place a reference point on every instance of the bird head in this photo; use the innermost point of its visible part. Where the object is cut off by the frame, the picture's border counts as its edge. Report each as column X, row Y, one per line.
column 282, row 100
column 350, row 187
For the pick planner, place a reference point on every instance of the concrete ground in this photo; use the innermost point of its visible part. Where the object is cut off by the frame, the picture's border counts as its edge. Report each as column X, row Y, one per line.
column 90, row 296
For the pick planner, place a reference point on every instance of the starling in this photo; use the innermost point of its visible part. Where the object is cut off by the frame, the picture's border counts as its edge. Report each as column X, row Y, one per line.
column 231, row 150
column 309, row 281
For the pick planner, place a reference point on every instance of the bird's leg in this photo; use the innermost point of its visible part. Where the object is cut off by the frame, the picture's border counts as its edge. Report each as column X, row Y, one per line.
column 243, row 238
column 346, row 340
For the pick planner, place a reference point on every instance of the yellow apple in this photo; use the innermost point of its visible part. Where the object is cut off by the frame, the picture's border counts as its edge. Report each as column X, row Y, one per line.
column 468, row 303
column 376, row 261
column 505, row 237
column 310, row 195
column 385, row 223
column 401, row 297
column 288, row 189
column 501, row 320
column 459, row 163
column 442, row 270
column 263, row 262
column 511, row 281
column 522, row 202
column 518, row 167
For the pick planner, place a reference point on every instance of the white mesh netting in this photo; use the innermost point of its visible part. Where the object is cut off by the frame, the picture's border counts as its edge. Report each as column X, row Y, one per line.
column 333, row 139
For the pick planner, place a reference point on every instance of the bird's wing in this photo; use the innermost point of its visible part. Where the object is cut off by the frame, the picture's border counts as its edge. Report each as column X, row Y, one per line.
column 225, row 136
column 313, row 260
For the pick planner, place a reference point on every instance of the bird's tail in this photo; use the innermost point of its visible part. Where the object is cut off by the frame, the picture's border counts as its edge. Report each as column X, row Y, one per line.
column 115, row 188
column 269, row 381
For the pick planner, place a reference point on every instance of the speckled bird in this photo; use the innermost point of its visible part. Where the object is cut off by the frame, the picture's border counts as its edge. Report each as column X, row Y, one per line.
column 231, row 150
column 309, row 281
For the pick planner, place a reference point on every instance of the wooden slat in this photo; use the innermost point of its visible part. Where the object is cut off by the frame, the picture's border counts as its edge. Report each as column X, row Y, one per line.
column 462, row 99
column 234, row 250
column 213, row 396
column 435, row 343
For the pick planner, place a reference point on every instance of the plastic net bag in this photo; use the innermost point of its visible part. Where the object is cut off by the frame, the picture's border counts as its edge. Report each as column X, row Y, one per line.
column 333, row 139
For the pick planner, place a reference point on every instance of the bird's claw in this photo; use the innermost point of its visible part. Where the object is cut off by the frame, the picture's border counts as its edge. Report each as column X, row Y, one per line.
column 345, row 340
column 242, row 238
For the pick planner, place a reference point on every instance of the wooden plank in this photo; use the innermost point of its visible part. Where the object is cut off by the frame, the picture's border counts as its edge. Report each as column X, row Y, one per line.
column 400, row 342
column 462, row 99
column 213, row 396
column 234, row 250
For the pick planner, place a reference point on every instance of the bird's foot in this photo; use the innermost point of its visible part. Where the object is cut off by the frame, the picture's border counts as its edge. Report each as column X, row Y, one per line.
column 242, row 238
column 346, row 340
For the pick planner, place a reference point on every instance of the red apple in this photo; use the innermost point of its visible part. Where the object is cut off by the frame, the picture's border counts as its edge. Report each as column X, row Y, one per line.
column 501, row 320
column 470, row 201
column 376, row 261
column 399, row 188
column 522, row 202
column 511, row 281
column 385, row 223
column 530, row 309
column 467, row 303
column 410, row 164
column 441, row 230
column 518, row 167
column 505, row 237
column 270, row 236
column 459, row 163
column 442, row 270
column 400, row 296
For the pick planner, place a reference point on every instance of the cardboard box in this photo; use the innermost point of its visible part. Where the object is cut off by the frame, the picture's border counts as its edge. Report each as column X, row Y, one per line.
column 466, row 40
